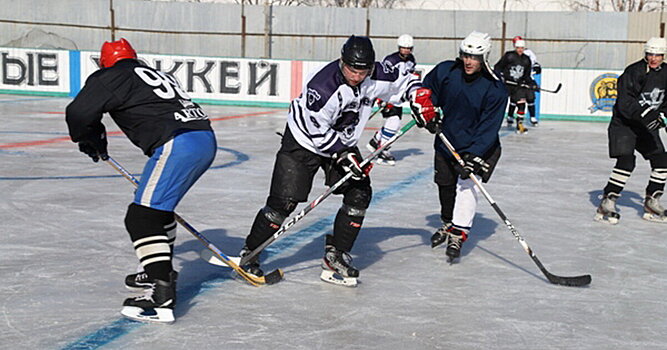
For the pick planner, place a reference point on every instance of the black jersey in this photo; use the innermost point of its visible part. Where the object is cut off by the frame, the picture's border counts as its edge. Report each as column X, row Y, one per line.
column 639, row 88
column 149, row 106
column 515, row 67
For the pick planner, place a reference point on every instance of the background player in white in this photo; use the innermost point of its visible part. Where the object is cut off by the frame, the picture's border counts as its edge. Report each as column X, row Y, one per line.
column 157, row 116
column 637, row 117
column 404, row 62
column 324, row 125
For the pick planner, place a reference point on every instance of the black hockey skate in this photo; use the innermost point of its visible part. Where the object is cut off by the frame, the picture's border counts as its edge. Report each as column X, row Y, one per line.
column 156, row 305
column 337, row 268
column 252, row 267
column 440, row 236
column 455, row 243
column 385, row 157
column 510, row 121
column 653, row 210
column 137, row 282
column 607, row 212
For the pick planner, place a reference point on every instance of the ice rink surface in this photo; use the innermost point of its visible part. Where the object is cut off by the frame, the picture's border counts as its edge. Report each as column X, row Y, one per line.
column 64, row 251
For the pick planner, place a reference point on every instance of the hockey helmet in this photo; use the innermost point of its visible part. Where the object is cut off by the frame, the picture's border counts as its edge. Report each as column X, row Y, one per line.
column 519, row 43
column 518, row 37
column 115, row 51
column 358, row 52
column 656, row 46
column 405, row 40
column 476, row 44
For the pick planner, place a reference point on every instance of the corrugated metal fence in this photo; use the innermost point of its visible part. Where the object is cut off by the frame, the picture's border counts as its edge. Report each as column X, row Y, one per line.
column 560, row 39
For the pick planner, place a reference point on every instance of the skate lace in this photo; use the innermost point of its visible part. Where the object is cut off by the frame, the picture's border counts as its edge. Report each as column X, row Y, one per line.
column 344, row 263
column 141, row 277
column 148, row 294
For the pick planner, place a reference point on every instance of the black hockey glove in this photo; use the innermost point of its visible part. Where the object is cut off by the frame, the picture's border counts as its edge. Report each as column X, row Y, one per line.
column 537, row 70
column 95, row 146
column 433, row 126
column 473, row 165
column 652, row 119
column 350, row 161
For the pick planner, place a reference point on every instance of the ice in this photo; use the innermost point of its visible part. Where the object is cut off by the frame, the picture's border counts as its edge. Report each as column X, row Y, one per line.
column 64, row 251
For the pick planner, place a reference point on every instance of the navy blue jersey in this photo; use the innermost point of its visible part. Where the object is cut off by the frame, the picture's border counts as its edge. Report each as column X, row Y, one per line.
column 472, row 111
column 149, row 106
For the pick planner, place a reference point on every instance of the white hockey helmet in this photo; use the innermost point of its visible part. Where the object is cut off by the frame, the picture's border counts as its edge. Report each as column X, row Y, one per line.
column 656, row 46
column 476, row 43
column 519, row 43
column 405, row 40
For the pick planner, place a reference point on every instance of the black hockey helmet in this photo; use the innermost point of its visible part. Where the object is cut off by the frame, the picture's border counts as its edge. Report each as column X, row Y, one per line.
column 358, row 52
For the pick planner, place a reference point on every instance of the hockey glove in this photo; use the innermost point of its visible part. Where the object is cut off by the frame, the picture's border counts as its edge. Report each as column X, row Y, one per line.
column 350, row 161
column 652, row 119
column 382, row 104
column 473, row 165
column 95, row 146
column 422, row 107
column 537, row 70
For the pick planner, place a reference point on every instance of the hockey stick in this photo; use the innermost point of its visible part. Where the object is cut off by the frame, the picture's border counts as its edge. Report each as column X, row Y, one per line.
column 575, row 281
column 271, row 278
column 211, row 259
column 509, row 82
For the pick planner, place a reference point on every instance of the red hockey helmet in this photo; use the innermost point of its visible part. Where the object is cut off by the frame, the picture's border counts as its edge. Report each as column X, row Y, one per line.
column 115, row 51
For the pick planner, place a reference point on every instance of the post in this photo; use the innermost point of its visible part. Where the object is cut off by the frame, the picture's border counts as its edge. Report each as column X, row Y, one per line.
column 112, row 13
column 368, row 20
column 267, row 29
column 503, row 31
column 243, row 29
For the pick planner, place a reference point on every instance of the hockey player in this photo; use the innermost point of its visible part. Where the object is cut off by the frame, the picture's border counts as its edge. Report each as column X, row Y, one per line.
column 473, row 101
column 515, row 67
column 404, row 62
column 157, row 116
column 536, row 69
column 324, row 125
column 636, row 119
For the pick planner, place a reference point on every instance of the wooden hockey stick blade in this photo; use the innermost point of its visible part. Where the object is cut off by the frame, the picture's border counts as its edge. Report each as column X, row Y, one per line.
column 270, row 278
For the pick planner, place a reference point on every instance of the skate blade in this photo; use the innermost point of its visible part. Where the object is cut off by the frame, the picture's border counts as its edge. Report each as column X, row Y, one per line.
column 654, row 218
column 606, row 219
column 334, row 278
column 157, row 315
column 385, row 162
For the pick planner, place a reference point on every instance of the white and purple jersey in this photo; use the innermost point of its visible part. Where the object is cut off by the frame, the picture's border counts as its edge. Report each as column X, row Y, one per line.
column 404, row 66
column 330, row 115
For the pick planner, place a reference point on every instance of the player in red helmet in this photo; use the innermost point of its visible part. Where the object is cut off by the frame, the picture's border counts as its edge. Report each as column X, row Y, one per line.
column 115, row 51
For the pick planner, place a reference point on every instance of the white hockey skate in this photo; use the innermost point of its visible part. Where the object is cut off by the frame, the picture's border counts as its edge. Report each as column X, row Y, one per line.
column 534, row 121
column 337, row 268
column 385, row 157
column 607, row 212
column 653, row 210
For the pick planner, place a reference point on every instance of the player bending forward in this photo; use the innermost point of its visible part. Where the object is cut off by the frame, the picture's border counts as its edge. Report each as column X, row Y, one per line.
column 324, row 125
column 636, row 119
column 157, row 116
column 403, row 61
column 473, row 101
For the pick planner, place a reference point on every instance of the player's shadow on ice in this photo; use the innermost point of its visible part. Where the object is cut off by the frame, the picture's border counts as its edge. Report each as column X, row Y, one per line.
column 628, row 199
column 404, row 153
column 195, row 275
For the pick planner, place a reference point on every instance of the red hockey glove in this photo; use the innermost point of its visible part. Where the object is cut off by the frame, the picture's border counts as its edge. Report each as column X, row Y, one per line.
column 421, row 106
column 350, row 161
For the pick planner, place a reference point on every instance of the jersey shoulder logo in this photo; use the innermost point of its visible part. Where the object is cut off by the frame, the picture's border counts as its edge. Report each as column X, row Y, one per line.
column 603, row 92
column 312, row 96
